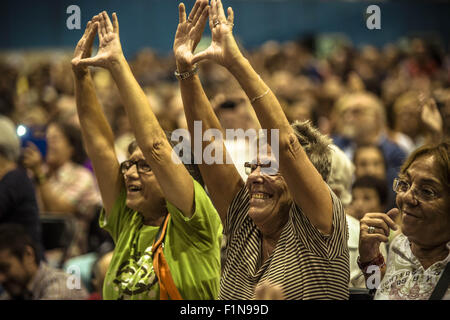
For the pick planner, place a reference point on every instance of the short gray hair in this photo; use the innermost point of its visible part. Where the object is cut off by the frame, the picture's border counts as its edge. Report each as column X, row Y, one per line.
column 9, row 141
column 316, row 146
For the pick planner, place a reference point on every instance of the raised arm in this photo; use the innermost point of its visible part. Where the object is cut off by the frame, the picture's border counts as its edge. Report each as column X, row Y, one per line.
column 223, row 180
column 97, row 134
column 174, row 179
column 305, row 184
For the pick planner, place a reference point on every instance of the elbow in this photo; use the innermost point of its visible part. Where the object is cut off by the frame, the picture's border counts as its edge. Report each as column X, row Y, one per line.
column 155, row 150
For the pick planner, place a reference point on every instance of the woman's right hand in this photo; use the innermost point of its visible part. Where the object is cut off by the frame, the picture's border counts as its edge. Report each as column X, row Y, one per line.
column 84, row 48
column 109, row 49
column 189, row 33
column 32, row 158
column 369, row 243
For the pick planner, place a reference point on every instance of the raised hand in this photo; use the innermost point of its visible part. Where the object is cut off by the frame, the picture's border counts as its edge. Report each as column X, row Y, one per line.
column 110, row 49
column 374, row 229
column 84, row 49
column 223, row 49
column 189, row 33
column 32, row 158
column 430, row 115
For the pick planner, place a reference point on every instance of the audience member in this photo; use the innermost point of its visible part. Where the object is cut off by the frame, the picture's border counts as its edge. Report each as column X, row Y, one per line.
column 25, row 277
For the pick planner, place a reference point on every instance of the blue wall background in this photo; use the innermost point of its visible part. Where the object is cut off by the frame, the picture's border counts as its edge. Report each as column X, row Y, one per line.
column 29, row 24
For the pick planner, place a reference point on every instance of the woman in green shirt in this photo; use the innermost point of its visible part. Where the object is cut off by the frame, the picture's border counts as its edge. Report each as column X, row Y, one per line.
column 138, row 194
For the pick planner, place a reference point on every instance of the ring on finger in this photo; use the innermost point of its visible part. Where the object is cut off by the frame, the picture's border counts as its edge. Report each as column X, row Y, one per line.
column 216, row 22
column 371, row 230
column 189, row 20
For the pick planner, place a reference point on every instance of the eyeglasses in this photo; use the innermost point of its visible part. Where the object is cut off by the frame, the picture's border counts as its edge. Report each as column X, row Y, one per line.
column 421, row 193
column 141, row 165
column 267, row 168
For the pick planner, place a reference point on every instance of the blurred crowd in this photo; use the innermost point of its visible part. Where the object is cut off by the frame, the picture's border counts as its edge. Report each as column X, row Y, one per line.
column 378, row 105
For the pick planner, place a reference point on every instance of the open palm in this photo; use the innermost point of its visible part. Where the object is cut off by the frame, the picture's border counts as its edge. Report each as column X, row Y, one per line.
column 110, row 49
column 223, row 49
column 189, row 32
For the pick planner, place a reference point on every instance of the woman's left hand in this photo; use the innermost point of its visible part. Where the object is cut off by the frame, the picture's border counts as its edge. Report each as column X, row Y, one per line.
column 109, row 50
column 223, row 49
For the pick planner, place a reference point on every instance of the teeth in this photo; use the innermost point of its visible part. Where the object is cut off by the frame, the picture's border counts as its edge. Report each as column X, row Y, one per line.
column 134, row 188
column 260, row 196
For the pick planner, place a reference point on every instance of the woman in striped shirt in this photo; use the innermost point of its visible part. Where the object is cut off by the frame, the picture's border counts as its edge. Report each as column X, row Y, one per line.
column 286, row 226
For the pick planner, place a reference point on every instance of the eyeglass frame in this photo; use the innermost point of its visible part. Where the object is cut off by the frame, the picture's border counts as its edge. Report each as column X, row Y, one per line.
column 416, row 193
column 138, row 164
column 254, row 166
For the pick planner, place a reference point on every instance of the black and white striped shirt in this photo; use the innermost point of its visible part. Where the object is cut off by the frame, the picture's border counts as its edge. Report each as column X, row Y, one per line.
column 305, row 263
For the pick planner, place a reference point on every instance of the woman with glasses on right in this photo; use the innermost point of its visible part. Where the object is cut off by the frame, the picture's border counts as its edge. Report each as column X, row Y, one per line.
column 417, row 266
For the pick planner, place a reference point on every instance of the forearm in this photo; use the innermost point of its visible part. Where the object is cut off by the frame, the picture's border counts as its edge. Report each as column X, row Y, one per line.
column 266, row 105
column 95, row 128
column 145, row 124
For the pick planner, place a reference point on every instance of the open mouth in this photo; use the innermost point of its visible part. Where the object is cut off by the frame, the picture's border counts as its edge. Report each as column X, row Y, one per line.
column 133, row 188
column 260, row 195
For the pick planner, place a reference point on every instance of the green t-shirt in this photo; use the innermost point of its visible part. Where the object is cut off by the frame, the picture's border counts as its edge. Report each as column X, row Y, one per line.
column 191, row 248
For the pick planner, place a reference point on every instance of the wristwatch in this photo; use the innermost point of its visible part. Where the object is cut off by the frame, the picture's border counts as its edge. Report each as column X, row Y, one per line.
column 187, row 74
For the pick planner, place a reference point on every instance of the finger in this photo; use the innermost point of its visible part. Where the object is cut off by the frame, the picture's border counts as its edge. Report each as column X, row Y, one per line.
column 99, row 32
column 91, row 34
column 202, row 21
column 211, row 21
column 182, row 13
column 193, row 11
column 101, row 25
column 379, row 224
column 200, row 56
column 88, row 28
column 393, row 214
column 213, row 9
column 108, row 24
column 230, row 18
column 385, row 217
column 115, row 23
column 94, row 61
column 199, row 12
column 220, row 12
column 375, row 236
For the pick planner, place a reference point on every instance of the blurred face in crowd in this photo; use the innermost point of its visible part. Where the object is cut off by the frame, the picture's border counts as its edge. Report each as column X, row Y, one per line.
column 365, row 200
column 15, row 273
column 59, row 150
column 359, row 118
column 369, row 161
column 269, row 195
column 425, row 205
column 143, row 190
column 407, row 117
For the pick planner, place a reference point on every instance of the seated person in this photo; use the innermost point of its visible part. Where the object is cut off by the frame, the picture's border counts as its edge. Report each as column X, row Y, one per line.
column 25, row 277
column 17, row 198
column 369, row 194
column 419, row 255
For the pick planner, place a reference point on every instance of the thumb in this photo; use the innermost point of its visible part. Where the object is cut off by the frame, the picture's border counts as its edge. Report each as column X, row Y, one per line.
column 94, row 61
column 393, row 213
column 203, row 55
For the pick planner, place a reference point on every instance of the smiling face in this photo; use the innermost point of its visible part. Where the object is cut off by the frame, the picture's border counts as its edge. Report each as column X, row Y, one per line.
column 425, row 222
column 269, row 197
column 143, row 190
